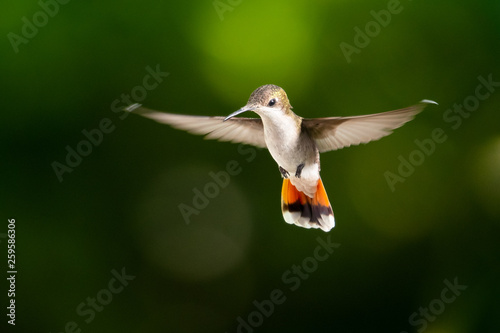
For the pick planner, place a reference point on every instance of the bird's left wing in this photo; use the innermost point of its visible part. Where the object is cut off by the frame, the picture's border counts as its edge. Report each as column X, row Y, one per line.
column 245, row 130
column 338, row 132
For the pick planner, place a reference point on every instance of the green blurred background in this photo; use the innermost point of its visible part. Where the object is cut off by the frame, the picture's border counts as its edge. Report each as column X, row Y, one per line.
column 119, row 207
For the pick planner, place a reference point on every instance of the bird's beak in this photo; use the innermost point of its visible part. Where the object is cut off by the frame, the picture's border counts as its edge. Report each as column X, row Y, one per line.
column 243, row 109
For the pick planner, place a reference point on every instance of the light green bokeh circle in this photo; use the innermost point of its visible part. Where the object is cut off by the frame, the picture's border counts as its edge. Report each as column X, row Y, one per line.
column 256, row 43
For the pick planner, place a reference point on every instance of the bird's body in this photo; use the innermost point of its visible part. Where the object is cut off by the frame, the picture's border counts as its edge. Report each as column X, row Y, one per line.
column 294, row 143
column 293, row 150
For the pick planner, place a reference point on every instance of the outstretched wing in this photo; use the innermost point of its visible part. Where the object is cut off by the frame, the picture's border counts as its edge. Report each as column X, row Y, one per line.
column 245, row 130
column 338, row 132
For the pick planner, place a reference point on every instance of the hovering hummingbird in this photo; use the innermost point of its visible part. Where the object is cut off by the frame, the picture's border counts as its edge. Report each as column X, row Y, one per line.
column 294, row 142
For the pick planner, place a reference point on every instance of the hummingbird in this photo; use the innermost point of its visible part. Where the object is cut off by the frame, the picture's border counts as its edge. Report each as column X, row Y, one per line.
column 295, row 143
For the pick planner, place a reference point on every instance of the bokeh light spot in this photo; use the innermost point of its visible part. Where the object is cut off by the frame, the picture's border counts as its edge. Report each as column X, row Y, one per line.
column 264, row 49
column 196, row 246
column 486, row 176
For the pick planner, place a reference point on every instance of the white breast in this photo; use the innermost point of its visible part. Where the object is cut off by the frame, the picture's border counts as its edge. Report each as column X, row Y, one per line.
column 283, row 141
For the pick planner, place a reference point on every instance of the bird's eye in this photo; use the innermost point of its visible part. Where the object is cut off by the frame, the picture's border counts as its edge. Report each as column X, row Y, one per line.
column 272, row 102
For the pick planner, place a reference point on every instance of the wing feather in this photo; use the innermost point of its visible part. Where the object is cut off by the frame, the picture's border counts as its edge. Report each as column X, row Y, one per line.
column 338, row 132
column 237, row 130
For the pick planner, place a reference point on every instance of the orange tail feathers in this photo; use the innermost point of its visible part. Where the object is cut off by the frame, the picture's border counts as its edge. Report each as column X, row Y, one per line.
column 304, row 211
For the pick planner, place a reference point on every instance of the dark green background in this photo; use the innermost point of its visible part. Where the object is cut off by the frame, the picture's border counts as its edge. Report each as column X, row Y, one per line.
column 119, row 207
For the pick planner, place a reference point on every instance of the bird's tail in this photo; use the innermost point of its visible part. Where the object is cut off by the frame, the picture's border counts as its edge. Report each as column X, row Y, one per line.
column 304, row 211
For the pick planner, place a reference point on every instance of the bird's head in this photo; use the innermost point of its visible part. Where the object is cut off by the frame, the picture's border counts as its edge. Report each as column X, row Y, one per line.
column 267, row 100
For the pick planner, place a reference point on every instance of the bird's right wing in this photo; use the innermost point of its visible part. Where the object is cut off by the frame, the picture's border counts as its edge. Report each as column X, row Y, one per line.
column 337, row 132
column 245, row 130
